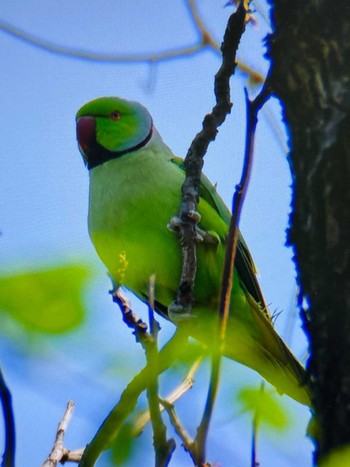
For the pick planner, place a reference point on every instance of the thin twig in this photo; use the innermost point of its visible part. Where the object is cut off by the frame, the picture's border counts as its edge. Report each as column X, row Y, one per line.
column 227, row 278
column 228, row 269
column 226, row 287
column 71, row 52
column 163, row 448
column 205, row 41
column 187, row 441
column 8, row 459
column 194, row 160
column 129, row 318
column 59, row 453
column 253, row 108
column 203, row 428
column 206, row 37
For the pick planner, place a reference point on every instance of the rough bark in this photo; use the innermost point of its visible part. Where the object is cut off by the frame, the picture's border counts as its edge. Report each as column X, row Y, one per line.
column 310, row 53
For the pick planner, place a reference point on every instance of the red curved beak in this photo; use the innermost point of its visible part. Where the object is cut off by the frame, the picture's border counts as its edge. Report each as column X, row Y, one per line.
column 86, row 132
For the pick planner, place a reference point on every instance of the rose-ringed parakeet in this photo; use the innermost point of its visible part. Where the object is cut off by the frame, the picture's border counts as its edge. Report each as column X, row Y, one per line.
column 135, row 190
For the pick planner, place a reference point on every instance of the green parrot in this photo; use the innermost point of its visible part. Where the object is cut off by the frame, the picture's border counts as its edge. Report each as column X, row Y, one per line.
column 135, row 190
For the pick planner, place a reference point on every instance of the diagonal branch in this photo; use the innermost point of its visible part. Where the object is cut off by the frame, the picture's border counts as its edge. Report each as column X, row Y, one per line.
column 129, row 318
column 253, row 108
column 205, row 41
column 91, row 56
column 59, row 453
column 206, row 37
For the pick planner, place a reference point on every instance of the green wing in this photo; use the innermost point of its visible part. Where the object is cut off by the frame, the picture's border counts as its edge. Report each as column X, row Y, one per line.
column 243, row 262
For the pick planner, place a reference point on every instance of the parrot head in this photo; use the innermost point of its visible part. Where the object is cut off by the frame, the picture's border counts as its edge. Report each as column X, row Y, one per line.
column 109, row 127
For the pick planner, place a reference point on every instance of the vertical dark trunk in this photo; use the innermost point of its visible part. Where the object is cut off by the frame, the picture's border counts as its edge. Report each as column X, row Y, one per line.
column 310, row 53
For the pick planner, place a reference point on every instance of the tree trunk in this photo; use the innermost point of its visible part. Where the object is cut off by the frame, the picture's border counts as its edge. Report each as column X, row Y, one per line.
column 310, row 74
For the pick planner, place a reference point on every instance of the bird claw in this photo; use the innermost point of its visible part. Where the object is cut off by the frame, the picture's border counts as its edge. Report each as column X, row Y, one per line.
column 210, row 237
column 202, row 236
column 199, row 237
column 176, row 221
column 194, row 215
column 174, row 224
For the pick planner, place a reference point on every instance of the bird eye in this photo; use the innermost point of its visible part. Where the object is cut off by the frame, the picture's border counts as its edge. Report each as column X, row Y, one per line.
column 115, row 115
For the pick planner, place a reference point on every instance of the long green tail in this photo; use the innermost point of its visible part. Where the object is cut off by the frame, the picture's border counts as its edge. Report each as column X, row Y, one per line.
column 264, row 351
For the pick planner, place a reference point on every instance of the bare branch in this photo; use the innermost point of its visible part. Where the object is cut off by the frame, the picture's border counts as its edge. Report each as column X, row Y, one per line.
column 95, row 56
column 168, row 405
column 59, row 453
column 206, row 37
column 237, row 204
column 187, row 441
column 163, row 448
column 8, row 459
column 194, row 160
column 226, row 285
column 227, row 278
column 206, row 41
column 129, row 318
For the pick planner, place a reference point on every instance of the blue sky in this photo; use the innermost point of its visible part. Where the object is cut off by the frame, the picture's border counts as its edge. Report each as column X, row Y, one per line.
column 44, row 192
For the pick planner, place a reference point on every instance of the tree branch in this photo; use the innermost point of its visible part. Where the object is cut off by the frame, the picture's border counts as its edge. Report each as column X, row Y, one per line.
column 59, row 453
column 253, row 108
column 187, row 441
column 163, row 448
column 206, row 41
column 129, row 318
column 194, row 160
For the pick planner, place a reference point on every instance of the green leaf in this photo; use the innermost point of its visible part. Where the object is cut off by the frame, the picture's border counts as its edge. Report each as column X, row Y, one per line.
column 48, row 301
column 264, row 406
